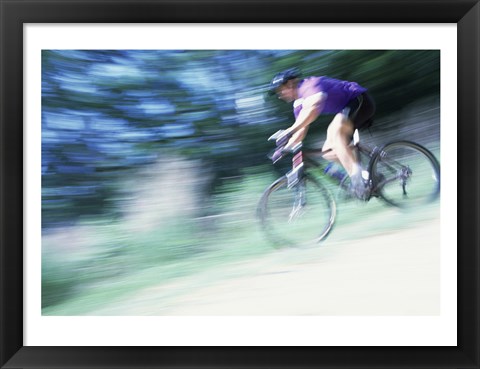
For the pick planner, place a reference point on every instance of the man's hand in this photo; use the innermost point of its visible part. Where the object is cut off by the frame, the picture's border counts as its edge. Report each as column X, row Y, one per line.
column 283, row 138
column 277, row 155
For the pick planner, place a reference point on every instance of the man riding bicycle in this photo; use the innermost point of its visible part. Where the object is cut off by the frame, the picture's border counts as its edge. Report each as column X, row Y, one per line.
column 350, row 103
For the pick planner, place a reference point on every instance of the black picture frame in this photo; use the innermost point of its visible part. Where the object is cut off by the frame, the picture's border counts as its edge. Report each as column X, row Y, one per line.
column 15, row 13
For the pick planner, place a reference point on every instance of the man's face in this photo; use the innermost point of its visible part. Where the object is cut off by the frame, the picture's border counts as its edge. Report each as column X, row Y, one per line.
column 288, row 91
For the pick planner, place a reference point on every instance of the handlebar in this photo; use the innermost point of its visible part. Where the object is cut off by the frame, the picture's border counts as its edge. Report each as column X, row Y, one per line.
column 276, row 135
column 281, row 138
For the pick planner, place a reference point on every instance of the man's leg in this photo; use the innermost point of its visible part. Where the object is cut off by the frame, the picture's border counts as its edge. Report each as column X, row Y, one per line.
column 339, row 136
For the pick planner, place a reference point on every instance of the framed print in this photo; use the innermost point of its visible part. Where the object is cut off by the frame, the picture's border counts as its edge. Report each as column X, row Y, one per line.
column 140, row 195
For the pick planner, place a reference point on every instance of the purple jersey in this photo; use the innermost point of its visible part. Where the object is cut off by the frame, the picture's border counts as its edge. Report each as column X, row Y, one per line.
column 339, row 93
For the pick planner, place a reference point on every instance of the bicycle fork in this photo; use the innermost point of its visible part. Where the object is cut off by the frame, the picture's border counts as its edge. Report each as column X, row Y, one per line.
column 296, row 181
column 296, row 174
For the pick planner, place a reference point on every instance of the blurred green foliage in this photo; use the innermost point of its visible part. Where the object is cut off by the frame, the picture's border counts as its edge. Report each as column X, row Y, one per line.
column 105, row 113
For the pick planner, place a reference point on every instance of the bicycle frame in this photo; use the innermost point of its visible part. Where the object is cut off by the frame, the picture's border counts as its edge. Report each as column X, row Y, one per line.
column 308, row 154
column 303, row 159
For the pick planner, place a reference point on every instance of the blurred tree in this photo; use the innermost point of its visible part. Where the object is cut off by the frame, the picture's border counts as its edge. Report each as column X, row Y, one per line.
column 106, row 112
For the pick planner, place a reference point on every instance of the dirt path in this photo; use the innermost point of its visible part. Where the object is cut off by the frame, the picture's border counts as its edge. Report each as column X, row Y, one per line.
column 394, row 273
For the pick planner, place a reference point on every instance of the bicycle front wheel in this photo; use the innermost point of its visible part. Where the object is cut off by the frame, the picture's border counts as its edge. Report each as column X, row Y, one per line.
column 297, row 216
column 405, row 174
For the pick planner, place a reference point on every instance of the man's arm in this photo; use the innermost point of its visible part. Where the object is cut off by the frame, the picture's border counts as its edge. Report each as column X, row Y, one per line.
column 312, row 106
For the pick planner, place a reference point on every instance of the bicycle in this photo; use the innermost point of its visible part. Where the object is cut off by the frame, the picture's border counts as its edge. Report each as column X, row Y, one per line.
column 402, row 173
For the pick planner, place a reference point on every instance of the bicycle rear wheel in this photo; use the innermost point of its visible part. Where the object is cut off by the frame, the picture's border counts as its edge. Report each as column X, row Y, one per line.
column 405, row 174
column 298, row 216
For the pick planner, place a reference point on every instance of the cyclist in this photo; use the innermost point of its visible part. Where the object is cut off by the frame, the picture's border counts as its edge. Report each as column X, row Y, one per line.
column 350, row 103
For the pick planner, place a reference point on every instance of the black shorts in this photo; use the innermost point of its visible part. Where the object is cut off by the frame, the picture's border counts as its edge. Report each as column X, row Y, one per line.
column 360, row 110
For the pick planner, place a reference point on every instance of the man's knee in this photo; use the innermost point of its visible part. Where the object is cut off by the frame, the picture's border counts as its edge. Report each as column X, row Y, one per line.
column 330, row 155
column 340, row 129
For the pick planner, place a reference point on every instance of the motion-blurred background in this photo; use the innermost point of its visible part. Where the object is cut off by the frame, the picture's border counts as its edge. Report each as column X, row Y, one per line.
column 153, row 161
